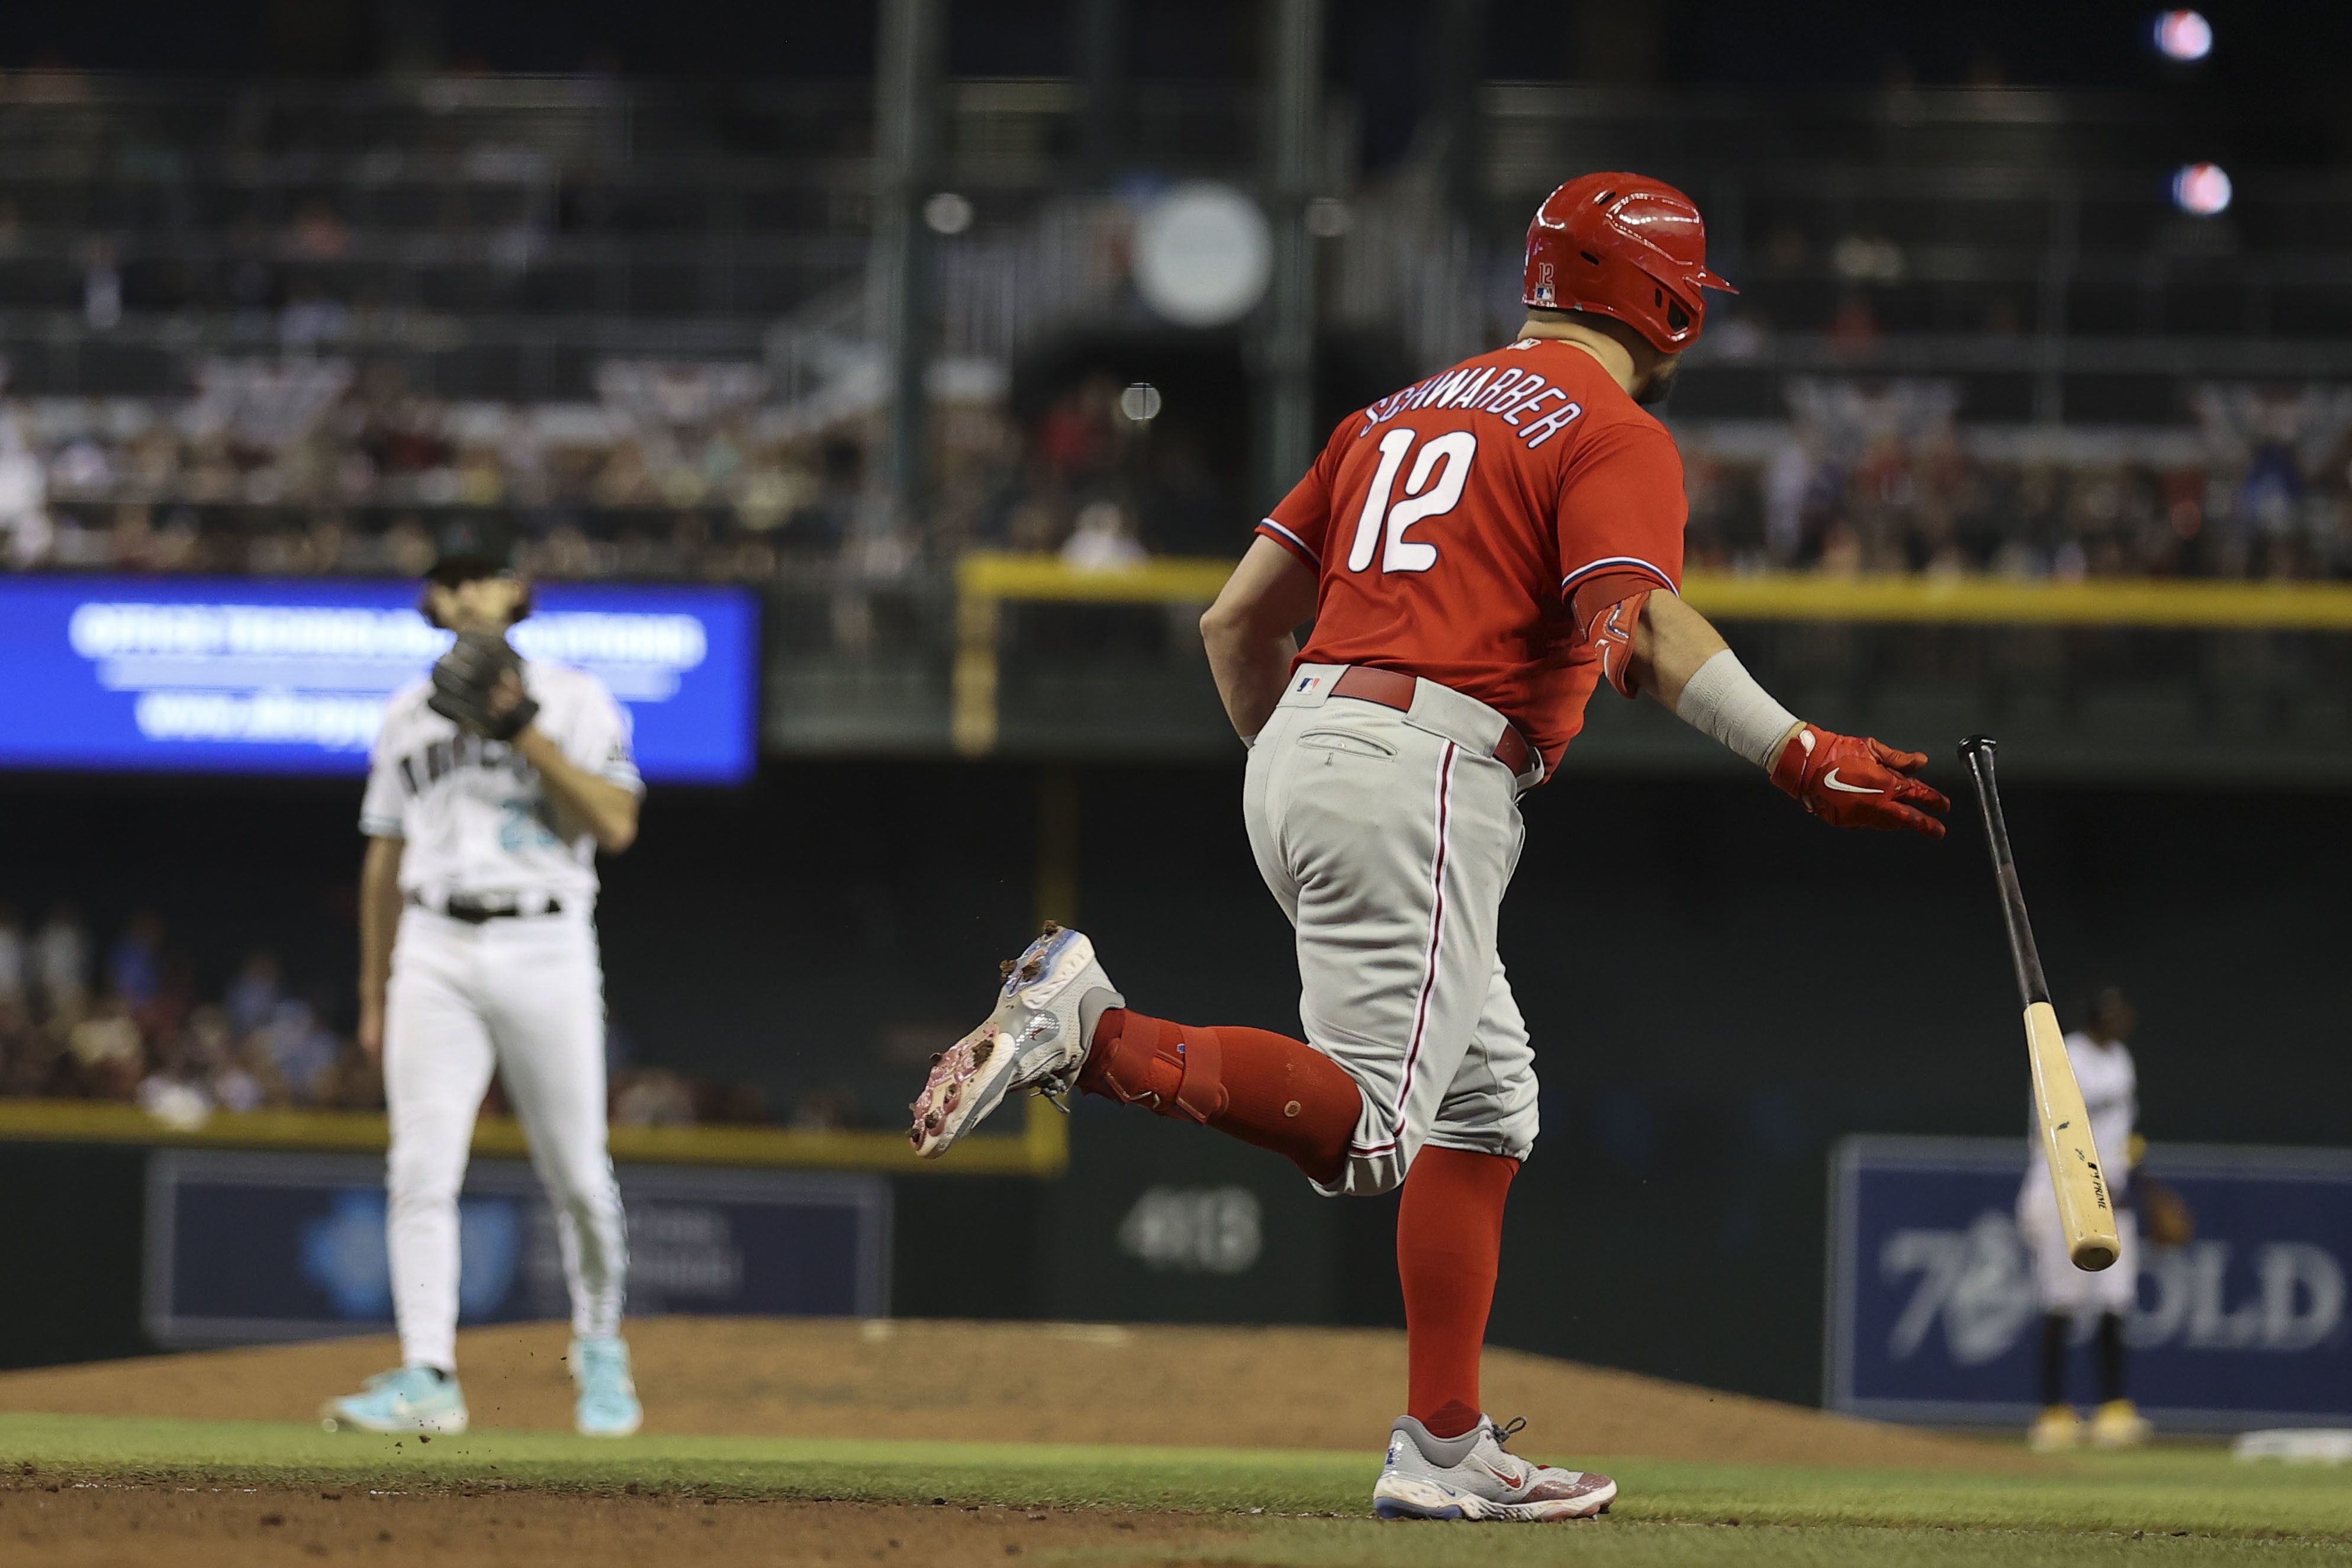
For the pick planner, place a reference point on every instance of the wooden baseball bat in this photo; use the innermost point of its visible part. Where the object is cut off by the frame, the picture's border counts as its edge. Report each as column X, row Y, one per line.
column 2084, row 1205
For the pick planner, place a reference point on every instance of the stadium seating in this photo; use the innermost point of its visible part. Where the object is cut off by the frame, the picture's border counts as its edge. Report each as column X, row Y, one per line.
column 293, row 328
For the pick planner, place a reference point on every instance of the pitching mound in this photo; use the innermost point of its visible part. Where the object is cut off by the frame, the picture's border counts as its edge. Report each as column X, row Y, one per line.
column 1047, row 1382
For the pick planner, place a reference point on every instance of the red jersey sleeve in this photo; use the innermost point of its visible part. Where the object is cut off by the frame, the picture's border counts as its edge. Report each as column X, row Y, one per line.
column 1622, row 512
column 1302, row 520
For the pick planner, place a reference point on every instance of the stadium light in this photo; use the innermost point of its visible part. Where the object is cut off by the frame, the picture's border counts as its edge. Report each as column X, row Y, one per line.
column 1203, row 254
column 1141, row 402
column 2184, row 36
column 948, row 213
column 2201, row 189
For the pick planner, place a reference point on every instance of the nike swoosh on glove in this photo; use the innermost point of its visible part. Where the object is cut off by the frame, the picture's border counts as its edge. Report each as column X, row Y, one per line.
column 1853, row 781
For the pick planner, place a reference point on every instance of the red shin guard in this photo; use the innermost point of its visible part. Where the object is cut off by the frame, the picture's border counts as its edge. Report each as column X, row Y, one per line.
column 1263, row 1088
column 1449, row 1248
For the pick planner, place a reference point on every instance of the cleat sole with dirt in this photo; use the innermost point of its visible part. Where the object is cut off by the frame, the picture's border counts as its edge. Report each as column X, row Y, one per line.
column 1029, row 1041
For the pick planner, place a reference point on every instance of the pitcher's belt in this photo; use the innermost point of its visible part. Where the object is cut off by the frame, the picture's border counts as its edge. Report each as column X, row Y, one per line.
column 1394, row 689
column 475, row 910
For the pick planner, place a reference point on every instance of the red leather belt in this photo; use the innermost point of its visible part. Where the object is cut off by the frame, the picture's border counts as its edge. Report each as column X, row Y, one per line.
column 1393, row 688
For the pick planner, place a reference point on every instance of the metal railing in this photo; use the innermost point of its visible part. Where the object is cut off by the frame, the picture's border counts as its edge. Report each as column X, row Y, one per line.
column 2150, row 681
column 1041, row 1147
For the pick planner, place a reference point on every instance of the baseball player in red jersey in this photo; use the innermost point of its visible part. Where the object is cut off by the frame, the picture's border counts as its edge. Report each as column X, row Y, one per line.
column 1478, row 552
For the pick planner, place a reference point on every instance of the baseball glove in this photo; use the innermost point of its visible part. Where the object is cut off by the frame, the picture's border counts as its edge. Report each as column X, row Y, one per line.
column 2164, row 1217
column 467, row 677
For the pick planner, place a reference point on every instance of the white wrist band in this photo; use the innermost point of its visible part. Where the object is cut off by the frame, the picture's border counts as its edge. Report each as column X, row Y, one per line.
column 1723, row 702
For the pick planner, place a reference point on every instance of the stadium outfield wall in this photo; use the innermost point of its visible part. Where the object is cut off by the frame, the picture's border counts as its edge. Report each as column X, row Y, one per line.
column 749, row 936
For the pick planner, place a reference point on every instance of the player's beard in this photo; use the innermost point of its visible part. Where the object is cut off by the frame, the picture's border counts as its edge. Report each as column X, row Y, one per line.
column 1660, row 383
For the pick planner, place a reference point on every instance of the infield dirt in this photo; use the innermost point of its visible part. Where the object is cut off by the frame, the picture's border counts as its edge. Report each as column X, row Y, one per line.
column 1047, row 1383
column 105, row 1527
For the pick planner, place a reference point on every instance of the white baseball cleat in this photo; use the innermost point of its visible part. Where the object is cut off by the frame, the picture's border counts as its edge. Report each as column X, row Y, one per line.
column 1037, row 1039
column 1474, row 1475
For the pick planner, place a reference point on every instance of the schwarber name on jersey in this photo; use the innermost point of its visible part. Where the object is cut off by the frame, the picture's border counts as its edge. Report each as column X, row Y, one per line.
column 1465, row 529
column 472, row 811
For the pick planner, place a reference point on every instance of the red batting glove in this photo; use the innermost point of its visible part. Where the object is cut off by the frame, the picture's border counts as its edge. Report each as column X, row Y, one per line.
column 1853, row 781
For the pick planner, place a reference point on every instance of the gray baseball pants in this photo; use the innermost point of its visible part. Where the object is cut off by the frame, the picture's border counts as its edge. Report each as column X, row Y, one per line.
column 1388, row 838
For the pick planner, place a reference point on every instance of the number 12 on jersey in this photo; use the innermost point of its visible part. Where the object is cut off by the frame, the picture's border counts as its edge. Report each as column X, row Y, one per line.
column 1430, row 491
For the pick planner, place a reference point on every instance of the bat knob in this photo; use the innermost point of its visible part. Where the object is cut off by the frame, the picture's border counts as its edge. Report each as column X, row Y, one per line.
column 1978, row 746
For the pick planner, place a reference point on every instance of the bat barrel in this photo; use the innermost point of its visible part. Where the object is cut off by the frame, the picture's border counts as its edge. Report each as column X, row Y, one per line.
column 1977, row 755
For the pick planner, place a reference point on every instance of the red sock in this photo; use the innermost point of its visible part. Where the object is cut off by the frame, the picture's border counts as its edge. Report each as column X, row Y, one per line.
column 1277, row 1093
column 1449, row 1246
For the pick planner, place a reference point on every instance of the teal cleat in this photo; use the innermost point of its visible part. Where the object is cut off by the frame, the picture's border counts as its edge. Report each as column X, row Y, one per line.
column 608, row 1404
column 408, row 1399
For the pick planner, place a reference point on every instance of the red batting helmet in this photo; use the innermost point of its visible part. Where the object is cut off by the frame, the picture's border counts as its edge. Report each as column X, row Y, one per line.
column 1624, row 245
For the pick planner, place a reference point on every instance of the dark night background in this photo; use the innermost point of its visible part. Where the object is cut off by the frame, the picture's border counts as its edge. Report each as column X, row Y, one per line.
column 1375, row 43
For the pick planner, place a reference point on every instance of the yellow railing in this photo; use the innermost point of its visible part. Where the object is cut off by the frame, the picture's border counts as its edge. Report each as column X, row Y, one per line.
column 986, row 580
column 1993, row 601
column 1041, row 1148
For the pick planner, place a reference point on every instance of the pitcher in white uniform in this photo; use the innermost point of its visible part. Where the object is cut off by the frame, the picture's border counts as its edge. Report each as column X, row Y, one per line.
column 478, row 953
column 2069, row 1296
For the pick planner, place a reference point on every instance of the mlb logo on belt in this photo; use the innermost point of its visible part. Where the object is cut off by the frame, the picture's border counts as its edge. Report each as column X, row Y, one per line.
column 1307, row 683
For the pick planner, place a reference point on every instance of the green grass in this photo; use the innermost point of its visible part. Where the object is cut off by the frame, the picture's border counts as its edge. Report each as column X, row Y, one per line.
column 2176, row 1506
column 1615, row 1543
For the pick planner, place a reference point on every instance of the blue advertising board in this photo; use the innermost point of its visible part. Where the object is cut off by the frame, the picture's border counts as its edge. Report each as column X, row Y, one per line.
column 108, row 673
column 1931, row 1313
column 248, row 1247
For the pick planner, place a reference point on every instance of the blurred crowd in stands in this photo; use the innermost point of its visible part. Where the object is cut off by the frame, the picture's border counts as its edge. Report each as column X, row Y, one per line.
column 302, row 467
column 131, row 1022
column 1885, row 479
